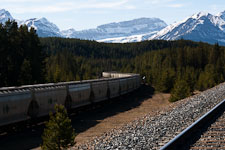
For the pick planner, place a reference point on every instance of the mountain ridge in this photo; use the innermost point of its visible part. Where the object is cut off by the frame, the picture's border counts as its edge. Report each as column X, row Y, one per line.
column 128, row 28
column 119, row 29
column 201, row 26
column 4, row 16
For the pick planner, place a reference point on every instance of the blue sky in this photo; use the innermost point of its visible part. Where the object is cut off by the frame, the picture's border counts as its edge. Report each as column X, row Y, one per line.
column 85, row 14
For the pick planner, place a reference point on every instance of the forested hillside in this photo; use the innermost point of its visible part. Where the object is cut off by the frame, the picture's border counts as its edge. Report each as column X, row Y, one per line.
column 179, row 67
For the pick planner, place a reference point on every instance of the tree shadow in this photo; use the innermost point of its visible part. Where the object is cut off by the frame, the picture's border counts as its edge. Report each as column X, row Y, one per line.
column 82, row 120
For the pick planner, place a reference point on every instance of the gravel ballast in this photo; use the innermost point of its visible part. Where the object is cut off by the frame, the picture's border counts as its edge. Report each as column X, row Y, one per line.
column 153, row 132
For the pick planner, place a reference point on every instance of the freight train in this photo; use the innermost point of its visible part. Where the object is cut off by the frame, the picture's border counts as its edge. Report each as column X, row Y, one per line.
column 31, row 101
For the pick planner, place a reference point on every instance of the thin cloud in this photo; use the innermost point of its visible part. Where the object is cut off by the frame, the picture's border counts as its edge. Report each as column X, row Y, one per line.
column 107, row 4
column 70, row 5
column 158, row 1
column 93, row 4
column 130, row 7
column 176, row 5
column 45, row 9
column 25, row 1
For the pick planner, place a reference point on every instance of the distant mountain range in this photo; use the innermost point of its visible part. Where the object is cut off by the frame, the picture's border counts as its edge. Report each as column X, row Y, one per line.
column 45, row 28
column 120, row 29
column 203, row 27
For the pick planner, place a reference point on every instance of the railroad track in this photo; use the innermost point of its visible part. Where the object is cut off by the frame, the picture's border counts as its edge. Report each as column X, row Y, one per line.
column 208, row 132
column 214, row 137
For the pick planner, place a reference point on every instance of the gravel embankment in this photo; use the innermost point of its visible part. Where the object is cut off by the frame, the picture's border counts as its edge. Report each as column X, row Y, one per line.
column 153, row 132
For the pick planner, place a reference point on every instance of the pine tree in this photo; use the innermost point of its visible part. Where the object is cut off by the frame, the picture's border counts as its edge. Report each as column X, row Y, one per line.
column 207, row 78
column 58, row 133
column 181, row 90
column 165, row 84
column 25, row 76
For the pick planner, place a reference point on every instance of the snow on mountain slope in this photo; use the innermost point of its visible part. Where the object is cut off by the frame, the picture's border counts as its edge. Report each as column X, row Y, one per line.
column 199, row 27
column 222, row 15
column 120, row 29
column 4, row 16
column 128, row 39
column 68, row 33
column 43, row 27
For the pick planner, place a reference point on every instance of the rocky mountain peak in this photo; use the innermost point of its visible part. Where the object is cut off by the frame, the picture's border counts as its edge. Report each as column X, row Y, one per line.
column 5, row 16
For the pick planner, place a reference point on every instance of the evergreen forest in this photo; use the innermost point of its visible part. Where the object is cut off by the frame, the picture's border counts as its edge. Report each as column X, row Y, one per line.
column 177, row 67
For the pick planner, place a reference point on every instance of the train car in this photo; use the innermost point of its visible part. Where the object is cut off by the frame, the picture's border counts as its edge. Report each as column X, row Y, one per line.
column 14, row 105
column 99, row 91
column 114, row 87
column 46, row 98
column 32, row 101
column 80, row 94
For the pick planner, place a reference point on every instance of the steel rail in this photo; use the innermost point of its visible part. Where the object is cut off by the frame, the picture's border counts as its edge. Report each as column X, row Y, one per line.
column 179, row 141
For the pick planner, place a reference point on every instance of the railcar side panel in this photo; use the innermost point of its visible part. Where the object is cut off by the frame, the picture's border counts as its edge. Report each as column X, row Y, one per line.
column 48, row 97
column 114, row 88
column 80, row 94
column 100, row 90
column 14, row 107
column 134, row 83
column 130, row 84
column 123, row 86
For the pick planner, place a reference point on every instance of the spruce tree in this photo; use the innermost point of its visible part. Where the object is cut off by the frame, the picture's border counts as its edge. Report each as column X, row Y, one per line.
column 58, row 133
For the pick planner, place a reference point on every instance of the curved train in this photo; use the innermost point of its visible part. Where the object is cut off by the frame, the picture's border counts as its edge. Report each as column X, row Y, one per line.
column 25, row 102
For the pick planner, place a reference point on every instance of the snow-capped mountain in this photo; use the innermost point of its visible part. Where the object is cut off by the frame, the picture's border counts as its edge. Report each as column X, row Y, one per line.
column 199, row 27
column 222, row 15
column 118, row 30
column 4, row 16
column 43, row 27
column 130, row 31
